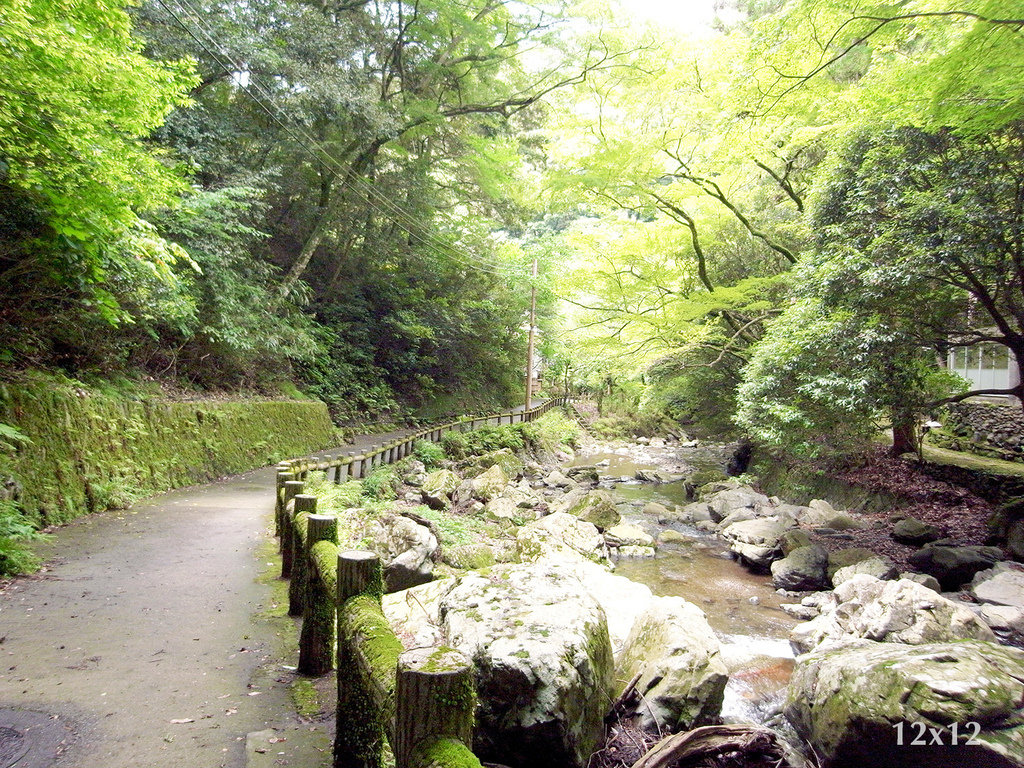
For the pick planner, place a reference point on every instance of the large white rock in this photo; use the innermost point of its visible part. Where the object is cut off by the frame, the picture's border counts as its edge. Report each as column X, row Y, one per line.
column 560, row 536
column 501, row 508
column 865, row 703
column 682, row 674
column 724, row 503
column 628, row 535
column 900, row 611
column 1001, row 585
column 756, row 542
column 408, row 551
column 543, row 657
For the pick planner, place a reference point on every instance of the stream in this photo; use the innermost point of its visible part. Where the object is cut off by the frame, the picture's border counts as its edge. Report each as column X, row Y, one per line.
column 742, row 607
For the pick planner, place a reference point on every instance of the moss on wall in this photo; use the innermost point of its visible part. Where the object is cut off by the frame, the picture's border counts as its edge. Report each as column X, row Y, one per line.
column 90, row 451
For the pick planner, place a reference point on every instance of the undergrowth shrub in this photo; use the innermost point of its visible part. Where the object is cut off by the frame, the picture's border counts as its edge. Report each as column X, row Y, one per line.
column 15, row 532
column 431, row 454
column 382, row 483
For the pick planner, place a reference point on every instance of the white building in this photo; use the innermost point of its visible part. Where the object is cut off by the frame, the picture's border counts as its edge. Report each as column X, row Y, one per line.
column 986, row 366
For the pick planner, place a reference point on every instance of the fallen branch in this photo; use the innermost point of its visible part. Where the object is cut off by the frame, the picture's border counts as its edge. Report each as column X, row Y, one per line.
column 683, row 749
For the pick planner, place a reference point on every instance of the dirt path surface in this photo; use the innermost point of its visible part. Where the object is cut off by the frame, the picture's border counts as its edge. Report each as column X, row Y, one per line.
column 147, row 640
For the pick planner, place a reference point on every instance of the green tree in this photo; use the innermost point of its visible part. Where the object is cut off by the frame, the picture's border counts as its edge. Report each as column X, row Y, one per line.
column 77, row 102
column 919, row 251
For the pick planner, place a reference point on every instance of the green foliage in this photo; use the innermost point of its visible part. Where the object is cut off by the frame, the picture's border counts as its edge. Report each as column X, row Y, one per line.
column 429, row 452
column 16, row 558
column 456, row 445
column 78, row 100
column 454, row 530
column 539, row 437
column 914, row 64
column 15, row 531
column 915, row 255
column 10, row 437
column 335, row 499
column 382, row 483
column 550, row 432
column 824, row 380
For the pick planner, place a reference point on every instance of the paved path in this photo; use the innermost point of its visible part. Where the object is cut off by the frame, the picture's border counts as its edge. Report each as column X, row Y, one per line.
column 147, row 641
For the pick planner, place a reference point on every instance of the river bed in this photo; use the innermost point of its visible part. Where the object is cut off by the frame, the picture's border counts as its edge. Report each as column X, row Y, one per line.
column 742, row 607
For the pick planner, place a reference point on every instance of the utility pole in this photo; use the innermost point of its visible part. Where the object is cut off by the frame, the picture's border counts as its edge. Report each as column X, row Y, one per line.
column 529, row 346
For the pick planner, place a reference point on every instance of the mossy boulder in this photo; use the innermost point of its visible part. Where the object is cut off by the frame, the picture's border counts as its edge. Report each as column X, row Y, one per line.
column 543, row 659
column 848, row 556
column 510, row 464
column 910, row 530
column 698, row 480
column 682, row 675
column 803, row 569
column 438, row 487
column 850, row 702
column 597, row 508
column 490, row 483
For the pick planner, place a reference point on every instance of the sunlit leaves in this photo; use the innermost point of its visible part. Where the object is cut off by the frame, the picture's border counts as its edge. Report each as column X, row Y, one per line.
column 922, row 62
column 77, row 98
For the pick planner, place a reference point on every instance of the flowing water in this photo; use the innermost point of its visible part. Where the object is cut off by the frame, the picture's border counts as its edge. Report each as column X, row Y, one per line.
column 742, row 607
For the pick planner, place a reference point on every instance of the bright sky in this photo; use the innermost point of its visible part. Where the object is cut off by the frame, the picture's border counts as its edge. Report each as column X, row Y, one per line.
column 688, row 15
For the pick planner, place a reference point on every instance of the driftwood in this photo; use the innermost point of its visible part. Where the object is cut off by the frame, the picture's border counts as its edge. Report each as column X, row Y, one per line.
column 621, row 704
column 688, row 748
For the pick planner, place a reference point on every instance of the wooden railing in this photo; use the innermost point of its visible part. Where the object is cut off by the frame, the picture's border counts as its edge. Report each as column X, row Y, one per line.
column 422, row 700
column 355, row 467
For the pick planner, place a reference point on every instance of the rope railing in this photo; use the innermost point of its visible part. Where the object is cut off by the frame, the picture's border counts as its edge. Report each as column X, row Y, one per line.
column 421, row 701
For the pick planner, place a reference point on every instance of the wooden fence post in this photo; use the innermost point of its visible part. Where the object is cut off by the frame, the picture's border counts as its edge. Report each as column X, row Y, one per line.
column 316, row 639
column 305, row 505
column 282, row 478
column 435, row 699
column 359, row 735
column 291, row 488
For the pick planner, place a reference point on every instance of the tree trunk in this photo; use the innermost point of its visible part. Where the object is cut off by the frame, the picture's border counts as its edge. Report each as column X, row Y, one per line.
column 905, row 437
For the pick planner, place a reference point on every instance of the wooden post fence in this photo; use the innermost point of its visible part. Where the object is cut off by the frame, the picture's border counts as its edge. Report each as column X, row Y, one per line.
column 316, row 640
column 422, row 700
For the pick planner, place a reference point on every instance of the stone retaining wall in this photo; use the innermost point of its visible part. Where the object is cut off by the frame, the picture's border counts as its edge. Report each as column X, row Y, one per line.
column 86, row 451
column 985, row 428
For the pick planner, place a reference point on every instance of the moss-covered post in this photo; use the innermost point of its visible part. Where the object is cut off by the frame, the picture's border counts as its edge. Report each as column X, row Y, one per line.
column 283, row 476
column 341, row 471
column 291, row 489
column 316, row 639
column 301, row 502
column 435, row 699
column 359, row 735
column 357, row 466
column 305, row 505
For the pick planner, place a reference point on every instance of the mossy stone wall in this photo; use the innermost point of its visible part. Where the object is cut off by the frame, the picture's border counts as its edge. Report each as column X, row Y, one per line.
column 984, row 428
column 91, row 451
